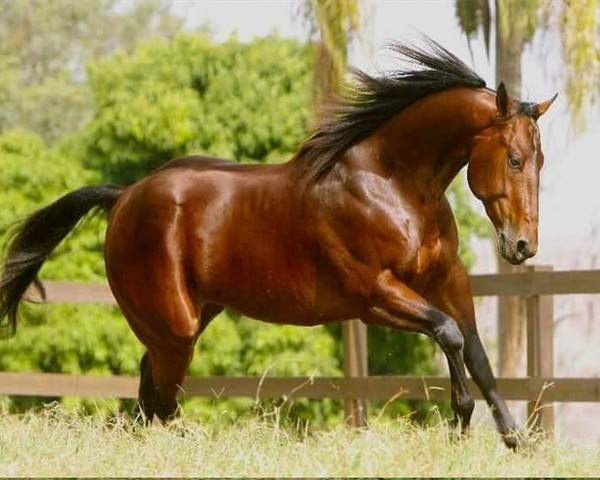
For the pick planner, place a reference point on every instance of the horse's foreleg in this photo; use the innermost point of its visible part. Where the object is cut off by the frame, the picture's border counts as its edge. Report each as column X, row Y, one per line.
column 396, row 305
column 452, row 295
column 479, row 366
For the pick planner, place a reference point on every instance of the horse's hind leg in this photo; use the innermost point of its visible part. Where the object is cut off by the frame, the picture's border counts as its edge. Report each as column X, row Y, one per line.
column 152, row 278
column 163, row 369
column 168, row 368
column 147, row 390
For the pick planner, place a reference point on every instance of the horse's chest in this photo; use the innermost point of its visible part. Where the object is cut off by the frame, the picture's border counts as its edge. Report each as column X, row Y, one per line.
column 421, row 251
column 427, row 256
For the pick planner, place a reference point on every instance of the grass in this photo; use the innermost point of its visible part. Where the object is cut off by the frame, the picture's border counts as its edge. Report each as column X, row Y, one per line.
column 57, row 443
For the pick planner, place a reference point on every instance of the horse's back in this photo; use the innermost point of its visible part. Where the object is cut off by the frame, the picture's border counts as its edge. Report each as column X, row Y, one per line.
column 202, row 163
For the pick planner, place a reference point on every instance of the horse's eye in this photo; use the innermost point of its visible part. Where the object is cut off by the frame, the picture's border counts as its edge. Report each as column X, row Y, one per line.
column 514, row 161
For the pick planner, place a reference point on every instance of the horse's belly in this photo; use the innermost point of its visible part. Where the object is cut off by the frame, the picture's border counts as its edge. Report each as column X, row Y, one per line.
column 255, row 252
column 291, row 315
column 294, row 295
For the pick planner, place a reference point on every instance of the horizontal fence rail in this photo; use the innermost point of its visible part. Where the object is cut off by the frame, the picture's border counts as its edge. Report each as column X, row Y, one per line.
column 538, row 284
column 533, row 282
column 337, row 388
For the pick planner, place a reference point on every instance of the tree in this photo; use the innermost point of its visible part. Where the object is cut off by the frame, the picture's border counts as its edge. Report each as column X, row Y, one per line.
column 579, row 24
column 44, row 51
column 49, row 38
column 247, row 102
column 332, row 24
column 515, row 24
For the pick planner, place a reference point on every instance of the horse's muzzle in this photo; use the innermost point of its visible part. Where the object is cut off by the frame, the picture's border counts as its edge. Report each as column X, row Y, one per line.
column 515, row 252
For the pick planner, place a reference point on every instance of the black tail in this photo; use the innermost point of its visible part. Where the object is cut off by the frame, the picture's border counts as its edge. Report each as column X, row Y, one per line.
column 33, row 239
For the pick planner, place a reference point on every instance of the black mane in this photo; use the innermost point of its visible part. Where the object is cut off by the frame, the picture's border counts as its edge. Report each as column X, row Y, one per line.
column 373, row 100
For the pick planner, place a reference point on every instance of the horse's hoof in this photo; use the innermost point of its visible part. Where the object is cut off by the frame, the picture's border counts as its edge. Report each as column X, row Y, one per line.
column 515, row 440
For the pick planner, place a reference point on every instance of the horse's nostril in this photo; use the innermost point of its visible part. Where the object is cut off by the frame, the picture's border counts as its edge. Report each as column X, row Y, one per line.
column 523, row 247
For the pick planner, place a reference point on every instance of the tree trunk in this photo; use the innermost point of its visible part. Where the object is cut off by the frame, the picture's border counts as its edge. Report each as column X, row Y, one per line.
column 511, row 310
column 325, row 82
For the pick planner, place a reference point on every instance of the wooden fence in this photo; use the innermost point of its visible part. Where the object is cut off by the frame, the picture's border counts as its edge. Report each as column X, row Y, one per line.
column 539, row 388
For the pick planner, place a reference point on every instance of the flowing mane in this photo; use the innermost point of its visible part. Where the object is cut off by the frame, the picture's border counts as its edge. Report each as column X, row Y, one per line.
column 373, row 100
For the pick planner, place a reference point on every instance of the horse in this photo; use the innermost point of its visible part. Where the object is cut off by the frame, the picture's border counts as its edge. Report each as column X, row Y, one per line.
column 356, row 224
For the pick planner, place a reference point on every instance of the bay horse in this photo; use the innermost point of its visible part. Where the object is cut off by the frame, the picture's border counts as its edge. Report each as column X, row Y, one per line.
column 355, row 225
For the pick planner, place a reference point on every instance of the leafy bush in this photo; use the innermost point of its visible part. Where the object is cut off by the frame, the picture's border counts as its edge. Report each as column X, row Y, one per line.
column 233, row 100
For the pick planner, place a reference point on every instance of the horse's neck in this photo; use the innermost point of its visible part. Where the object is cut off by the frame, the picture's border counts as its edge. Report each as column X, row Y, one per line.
column 427, row 144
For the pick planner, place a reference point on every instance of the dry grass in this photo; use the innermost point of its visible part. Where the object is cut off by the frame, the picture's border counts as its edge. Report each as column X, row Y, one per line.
column 56, row 443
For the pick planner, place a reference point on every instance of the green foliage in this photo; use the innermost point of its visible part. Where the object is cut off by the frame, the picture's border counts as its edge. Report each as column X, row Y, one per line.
column 192, row 102
column 45, row 45
column 72, row 339
column 33, row 175
column 233, row 100
column 473, row 15
column 333, row 24
column 516, row 23
column 518, row 18
column 580, row 37
column 31, row 172
column 50, row 38
column 51, row 108
column 470, row 223
column 513, row 18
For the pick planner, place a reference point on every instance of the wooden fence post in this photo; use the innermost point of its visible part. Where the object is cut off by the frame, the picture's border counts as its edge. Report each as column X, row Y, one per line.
column 540, row 351
column 354, row 334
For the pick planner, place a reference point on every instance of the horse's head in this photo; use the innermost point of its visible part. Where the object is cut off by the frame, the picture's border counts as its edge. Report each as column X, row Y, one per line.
column 504, row 173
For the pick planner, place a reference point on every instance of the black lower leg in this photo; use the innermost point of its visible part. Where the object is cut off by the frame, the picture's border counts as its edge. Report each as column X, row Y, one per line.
column 147, row 395
column 450, row 339
column 478, row 364
column 461, row 399
column 167, row 408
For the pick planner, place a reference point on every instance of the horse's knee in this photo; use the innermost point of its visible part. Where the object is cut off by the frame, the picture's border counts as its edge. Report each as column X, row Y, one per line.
column 449, row 336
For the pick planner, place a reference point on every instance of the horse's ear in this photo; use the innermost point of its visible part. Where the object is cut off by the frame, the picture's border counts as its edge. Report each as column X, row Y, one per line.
column 542, row 107
column 502, row 100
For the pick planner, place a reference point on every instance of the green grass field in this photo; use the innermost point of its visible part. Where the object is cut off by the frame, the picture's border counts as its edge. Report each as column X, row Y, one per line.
column 55, row 443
